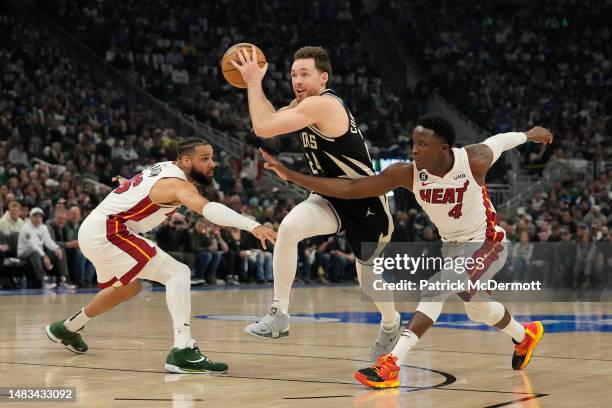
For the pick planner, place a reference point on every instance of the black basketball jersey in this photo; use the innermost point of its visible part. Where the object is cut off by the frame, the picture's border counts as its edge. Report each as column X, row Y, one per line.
column 344, row 156
column 365, row 220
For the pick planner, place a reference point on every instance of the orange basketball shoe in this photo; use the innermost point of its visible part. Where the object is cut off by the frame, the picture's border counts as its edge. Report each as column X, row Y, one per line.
column 523, row 351
column 383, row 374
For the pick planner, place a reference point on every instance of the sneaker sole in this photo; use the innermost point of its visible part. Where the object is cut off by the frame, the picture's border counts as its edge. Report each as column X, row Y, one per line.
column 59, row 341
column 171, row 368
column 535, row 343
column 378, row 385
column 267, row 336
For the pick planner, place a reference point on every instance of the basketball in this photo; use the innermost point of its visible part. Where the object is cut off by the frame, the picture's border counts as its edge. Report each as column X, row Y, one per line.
column 230, row 73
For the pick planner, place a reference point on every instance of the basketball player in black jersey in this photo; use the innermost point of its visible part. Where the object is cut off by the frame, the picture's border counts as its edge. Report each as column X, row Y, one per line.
column 333, row 147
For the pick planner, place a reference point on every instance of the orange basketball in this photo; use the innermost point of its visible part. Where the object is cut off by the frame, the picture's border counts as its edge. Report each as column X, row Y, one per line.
column 230, row 73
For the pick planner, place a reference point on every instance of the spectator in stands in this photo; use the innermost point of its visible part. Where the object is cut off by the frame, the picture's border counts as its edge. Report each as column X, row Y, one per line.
column 262, row 261
column 521, row 257
column 36, row 246
column 236, row 257
column 564, row 260
column 173, row 237
column 4, row 250
column 83, row 271
column 207, row 257
column 58, row 231
column 585, row 259
column 337, row 258
column 11, row 222
column 18, row 156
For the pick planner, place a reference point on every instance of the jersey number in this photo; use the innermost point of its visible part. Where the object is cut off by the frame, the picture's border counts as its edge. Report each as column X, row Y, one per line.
column 456, row 211
column 315, row 167
column 134, row 181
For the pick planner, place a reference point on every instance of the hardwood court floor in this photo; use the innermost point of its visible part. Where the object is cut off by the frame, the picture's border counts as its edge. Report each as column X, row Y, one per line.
column 453, row 365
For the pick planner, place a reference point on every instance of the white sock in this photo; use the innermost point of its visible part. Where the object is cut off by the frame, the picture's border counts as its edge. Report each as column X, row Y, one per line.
column 406, row 343
column 182, row 335
column 388, row 325
column 77, row 321
column 178, row 299
column 515, row 330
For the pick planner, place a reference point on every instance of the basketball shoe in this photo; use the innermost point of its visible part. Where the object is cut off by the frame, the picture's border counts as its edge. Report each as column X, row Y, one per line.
column 386, row 340
column 58, row 333
column 273, row 325
column 190, row 360
column 523, row 351
column 383, row 374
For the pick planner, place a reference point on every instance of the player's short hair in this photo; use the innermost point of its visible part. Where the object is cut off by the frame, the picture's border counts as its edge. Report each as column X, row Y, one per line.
column 440, row 126
column 321, row 59
column 187, row 146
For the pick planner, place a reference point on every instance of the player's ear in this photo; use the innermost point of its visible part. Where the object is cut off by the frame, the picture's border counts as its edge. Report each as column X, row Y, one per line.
column 324, row 77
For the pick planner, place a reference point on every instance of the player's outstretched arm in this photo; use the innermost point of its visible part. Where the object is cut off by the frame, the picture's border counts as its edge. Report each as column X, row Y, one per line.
column 483, row 155
column 172, row 190
column 397, row 175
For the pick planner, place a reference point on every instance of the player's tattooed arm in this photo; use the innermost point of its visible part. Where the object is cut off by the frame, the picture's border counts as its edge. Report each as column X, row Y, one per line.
column 395, row 176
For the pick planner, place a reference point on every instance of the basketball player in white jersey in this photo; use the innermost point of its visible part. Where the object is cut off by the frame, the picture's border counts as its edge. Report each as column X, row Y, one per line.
column 333, row 147
column 449, row 183
column 109, row 238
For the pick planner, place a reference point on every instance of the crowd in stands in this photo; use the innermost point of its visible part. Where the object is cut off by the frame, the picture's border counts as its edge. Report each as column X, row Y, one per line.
column 174, row 51
column 65, row 135
column 511, row 64
column 84, row 133
column 576, row 216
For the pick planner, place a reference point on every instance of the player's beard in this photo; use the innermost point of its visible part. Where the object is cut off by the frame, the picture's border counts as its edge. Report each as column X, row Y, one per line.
column 200, row 178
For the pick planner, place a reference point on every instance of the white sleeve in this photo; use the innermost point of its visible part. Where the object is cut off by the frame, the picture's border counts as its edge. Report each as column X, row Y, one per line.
column 504, row 141
column 226, row 217
column 47, row 241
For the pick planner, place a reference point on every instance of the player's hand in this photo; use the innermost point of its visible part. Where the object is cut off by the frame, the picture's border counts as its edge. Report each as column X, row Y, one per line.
column 539, row 134
column 58, row 253
column 264, row 233
column 272, row 163
column 251, row 72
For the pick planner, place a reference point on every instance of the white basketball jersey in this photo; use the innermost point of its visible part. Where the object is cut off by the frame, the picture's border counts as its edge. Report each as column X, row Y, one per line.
column 130, row 203
column 456, row 204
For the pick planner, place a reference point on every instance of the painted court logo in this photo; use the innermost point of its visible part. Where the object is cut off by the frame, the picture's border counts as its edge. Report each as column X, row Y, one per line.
column 561, row 323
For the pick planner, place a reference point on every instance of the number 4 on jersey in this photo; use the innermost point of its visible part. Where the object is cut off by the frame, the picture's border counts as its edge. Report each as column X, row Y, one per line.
column 455, row 212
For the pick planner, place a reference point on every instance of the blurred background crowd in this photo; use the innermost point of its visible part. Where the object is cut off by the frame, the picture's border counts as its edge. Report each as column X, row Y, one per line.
column 65, row 133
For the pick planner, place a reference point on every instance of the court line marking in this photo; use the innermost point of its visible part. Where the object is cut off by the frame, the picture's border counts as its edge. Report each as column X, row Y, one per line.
column 403, row 387
column 504, row 404
column 449, row 377
column 322, row 396
column 157, row 399
column 281, row 342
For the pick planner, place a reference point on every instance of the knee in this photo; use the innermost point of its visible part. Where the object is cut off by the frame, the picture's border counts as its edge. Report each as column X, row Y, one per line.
column 183, row 273
column 289, row 231
column 488, row 313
